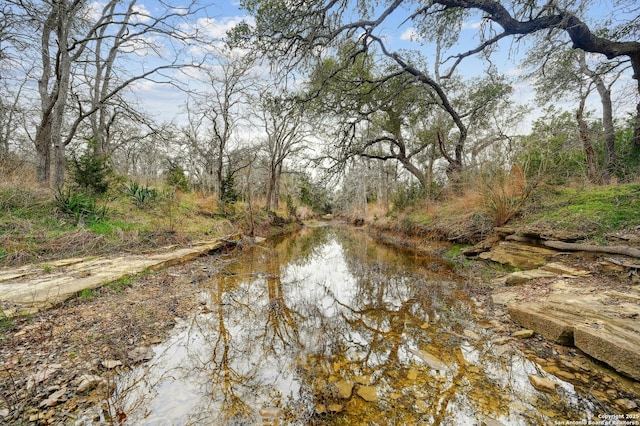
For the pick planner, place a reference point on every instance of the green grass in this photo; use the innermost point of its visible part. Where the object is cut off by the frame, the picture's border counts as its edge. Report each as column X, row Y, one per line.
column 454, row 251
column 6, row 323
column 594, row 210
column 86, row 295
column 121, row 284
column 108, row 227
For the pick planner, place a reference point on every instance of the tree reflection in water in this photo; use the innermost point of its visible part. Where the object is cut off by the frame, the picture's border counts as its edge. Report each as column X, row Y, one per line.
column 329, row 327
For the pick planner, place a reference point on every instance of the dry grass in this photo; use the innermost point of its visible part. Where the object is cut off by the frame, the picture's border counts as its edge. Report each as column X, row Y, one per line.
column 17, row 172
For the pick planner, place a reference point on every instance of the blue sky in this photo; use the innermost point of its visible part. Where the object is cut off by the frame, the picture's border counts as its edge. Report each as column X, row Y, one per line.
column 219, row 17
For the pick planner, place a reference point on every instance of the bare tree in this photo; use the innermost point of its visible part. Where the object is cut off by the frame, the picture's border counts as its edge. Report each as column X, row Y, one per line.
column 80, row 47
column 217, row 111
column 286, row 132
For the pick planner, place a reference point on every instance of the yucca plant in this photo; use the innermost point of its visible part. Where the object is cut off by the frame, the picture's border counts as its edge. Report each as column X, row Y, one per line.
column 140, row 194
column 80, row 206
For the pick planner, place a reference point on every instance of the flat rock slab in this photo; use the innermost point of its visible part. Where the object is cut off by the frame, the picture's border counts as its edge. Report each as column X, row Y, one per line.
column 604, row 325
column 608, row 342
column 36, row 287
column 518, row 255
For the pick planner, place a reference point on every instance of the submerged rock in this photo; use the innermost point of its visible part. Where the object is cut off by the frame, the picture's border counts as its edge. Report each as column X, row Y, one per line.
column 271, row 413
column 368, row 393
column 542, row 384
column 523, row 334
column 431, row 360
column 345, row 388
column 471, row 334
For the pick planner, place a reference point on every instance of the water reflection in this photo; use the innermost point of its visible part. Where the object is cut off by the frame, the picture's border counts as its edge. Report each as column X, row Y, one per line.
column 329, row 327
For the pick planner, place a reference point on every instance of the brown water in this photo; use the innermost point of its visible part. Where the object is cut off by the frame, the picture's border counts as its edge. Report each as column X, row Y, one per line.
column 327, row 326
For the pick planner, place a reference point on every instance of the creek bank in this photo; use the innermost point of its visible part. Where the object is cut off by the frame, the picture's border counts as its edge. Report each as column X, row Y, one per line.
column 62, row 355
column 585, row 298
column 32, row 288
column 600, row 289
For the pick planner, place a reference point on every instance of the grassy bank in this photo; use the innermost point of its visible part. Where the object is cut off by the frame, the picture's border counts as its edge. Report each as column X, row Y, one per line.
column 37, row 225
column 587, row 213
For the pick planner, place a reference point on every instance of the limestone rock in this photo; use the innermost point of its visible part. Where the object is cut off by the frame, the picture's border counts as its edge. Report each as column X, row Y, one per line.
column 520, row 277
column 431, row 360
column 54, row 398
column 523, row 334
column 368, row 393
column 111, row 363
column 88, row 382
column 626, row 404
column 335, row 408
column 488, row 421
column 422, row 406
column 542, row 384
column 566, row 270
column 140, row 354
column 345, row 388
column 412, row 374
column 538, row 318
column 271, row 413
column 362, row 380
column 518, row 255
column 611, row 344
column 471, row 334
column 482, row 246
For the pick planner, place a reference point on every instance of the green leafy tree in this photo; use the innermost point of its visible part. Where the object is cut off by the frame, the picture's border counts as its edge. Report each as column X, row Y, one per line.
column 90, row 170
column 300, row 34
column 176, row 177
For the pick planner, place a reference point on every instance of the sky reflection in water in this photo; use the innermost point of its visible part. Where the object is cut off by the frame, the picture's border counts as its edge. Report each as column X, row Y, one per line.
column 291, row 325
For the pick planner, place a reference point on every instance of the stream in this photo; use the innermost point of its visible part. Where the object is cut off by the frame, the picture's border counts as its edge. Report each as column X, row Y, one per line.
column 328, row 326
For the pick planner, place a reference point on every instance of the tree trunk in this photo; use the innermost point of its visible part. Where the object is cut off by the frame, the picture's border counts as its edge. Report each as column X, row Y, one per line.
column 609, row 131
column 276, row 187
column 583, row 130
column 43, row 152
column 219, row 176
column 271, row 184
column 607, row 118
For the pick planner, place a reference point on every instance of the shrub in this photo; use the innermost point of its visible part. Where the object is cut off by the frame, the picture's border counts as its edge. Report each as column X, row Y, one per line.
column 80, row 206
column 407, row 196
column 228, row 190
column 504, row 192
column 140, row 194
column 176, row 178
column 91, row 171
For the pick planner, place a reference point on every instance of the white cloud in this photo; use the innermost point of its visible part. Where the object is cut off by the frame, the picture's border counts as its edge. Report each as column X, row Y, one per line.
column 93, row 10
column 472, row 25
column 141, row 14
column 410, row 34
column 218, row 28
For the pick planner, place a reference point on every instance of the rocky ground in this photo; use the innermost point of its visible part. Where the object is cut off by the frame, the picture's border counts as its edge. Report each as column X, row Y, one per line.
column 584, row 311
column 55, row 363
